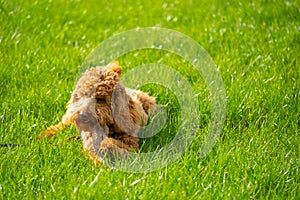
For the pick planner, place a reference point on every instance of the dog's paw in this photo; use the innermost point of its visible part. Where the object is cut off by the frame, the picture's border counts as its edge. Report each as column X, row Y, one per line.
column 112, row 155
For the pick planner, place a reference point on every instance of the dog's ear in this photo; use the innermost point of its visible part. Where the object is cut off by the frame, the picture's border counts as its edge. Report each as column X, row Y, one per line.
column 114, row 66
column 121, row 111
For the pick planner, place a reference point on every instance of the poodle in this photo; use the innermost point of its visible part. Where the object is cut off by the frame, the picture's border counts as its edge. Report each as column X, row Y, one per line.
column 107, row 115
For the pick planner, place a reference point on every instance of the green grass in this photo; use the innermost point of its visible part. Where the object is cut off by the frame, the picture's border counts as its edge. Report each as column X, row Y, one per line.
column 256, row 48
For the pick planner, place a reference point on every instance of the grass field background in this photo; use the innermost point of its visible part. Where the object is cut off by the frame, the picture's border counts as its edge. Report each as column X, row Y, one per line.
column 256, row 48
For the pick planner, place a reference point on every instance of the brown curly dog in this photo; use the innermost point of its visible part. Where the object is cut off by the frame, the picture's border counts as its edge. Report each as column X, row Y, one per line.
column 107, row 115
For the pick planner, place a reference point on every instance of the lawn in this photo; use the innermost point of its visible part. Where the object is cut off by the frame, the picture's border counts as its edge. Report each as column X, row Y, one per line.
column 255, row 47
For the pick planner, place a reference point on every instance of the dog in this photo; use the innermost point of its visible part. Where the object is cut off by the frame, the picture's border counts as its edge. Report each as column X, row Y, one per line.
column 107, row 115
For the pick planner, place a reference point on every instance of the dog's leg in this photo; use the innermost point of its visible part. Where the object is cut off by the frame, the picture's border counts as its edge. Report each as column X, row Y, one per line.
column 131, row 141
column 112, row 150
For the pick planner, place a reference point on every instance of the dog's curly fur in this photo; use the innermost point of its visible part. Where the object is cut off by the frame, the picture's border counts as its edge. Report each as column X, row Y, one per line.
column 107, row 115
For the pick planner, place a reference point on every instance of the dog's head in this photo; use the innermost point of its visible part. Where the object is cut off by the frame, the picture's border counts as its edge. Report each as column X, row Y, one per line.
column 98, row 82
column 96, row 85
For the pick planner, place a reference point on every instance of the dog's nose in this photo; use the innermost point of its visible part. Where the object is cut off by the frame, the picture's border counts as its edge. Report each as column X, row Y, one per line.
column 83, row 114
column 84, row 117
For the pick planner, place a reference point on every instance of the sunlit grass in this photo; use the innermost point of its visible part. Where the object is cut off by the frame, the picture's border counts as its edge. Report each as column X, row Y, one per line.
column 256, row 48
